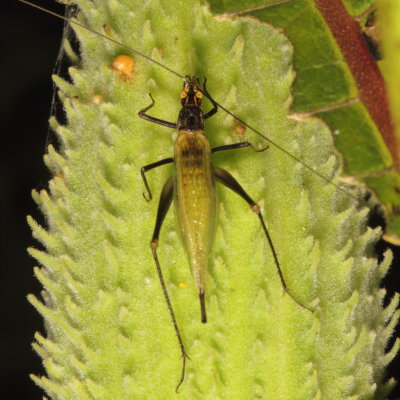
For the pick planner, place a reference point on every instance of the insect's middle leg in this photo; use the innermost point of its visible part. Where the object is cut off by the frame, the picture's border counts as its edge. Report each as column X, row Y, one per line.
column 235, row 146
column 230, row 182
column 163, row 206
column 148, row 167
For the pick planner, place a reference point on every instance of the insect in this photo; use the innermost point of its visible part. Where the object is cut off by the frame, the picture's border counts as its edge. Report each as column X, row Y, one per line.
column 193, row 190
column 193, row 186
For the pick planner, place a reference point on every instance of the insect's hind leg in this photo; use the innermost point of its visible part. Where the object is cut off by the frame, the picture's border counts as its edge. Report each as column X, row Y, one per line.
column 163, row 206
column 230, row 182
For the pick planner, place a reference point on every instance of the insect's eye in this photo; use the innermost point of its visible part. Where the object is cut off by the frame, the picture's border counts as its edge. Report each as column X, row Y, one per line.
column 183, row 94
column 199, row 95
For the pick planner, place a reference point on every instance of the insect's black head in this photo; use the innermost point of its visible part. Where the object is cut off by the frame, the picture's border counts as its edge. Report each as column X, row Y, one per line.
column 191, row 95
column 191, row 116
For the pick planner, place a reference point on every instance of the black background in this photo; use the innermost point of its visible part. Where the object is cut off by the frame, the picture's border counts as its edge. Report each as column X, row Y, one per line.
column 30, row 41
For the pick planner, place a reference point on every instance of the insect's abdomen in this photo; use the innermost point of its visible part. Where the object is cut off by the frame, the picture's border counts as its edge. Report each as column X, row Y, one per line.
column 195, row 200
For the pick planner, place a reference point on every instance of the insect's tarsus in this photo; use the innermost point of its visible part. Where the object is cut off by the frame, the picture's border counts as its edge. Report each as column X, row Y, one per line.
column 204, row 91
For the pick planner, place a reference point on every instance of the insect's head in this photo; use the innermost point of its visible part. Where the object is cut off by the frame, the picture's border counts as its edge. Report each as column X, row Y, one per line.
column 191, row 95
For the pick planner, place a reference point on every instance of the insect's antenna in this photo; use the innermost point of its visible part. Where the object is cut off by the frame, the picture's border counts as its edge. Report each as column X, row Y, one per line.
column 103, row 36
column 327, row 180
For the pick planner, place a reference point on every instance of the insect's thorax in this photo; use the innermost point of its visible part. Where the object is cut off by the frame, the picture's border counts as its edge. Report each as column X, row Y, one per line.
column 191, row 118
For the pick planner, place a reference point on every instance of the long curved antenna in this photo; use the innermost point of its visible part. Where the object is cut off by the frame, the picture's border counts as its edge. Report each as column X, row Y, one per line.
column 204, row 91
column 278, row 146
column 71, row 21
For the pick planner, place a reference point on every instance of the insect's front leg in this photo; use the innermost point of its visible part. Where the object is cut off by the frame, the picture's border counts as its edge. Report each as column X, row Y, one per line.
column 214, row 103
column 142, row 114
column 148, row 167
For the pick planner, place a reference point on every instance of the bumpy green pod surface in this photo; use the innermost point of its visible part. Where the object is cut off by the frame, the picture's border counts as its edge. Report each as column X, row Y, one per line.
column 108, row 331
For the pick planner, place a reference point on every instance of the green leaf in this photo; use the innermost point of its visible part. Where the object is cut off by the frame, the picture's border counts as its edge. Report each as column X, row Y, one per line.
column 330, row 83
column 389, row 16
column 108, row 331
column 357, row 7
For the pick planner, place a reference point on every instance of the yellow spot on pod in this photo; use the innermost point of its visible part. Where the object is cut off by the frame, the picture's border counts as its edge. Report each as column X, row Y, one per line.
column 97, row 99
column 61, row 176
column 124, row 65
column 240, row 129
column 107, row 29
